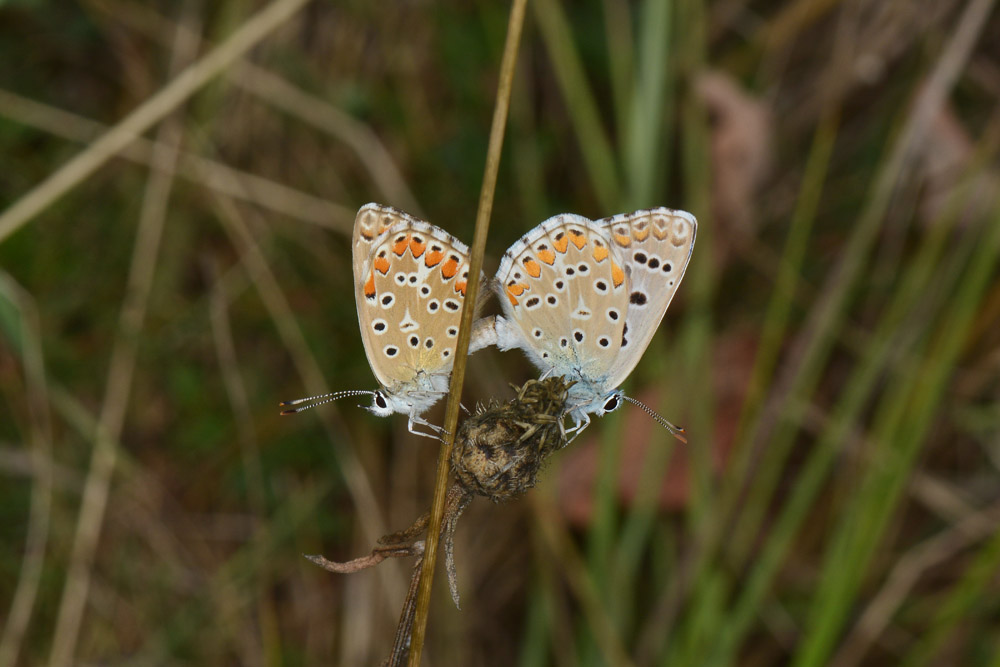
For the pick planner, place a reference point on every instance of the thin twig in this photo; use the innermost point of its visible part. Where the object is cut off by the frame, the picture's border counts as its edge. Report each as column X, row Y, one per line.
column 465, row 331
column 119, row 382
column 148, row 114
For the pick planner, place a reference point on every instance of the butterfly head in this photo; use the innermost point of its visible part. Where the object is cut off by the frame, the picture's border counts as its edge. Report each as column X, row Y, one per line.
column 381, row 405
column 614, row 400
column 608, row 403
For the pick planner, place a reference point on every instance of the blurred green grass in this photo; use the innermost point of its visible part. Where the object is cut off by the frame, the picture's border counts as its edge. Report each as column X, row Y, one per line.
column 832, row 352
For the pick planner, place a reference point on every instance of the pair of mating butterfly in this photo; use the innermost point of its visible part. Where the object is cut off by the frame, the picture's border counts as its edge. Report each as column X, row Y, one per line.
column 581, row 298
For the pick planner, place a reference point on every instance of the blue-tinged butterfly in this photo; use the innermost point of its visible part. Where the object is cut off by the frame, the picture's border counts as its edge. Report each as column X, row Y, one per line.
column 583, row 298
column 410, row 280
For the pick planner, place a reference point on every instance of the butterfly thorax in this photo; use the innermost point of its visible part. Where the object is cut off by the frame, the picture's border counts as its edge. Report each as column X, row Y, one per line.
column 587, row 395
column 418, row 395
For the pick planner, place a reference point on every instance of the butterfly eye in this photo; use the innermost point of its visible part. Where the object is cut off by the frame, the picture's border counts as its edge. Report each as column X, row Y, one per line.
column 380, row 401
column 611, row 404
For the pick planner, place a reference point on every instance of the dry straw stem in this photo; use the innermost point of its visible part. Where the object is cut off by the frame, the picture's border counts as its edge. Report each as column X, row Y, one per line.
column 148, row 114
column 201, row 171
column 511, row 45
column 305, row 363
column 310, row 109
column 278, row 92
column 325, row 117
column 119, row 382
column 976, row 526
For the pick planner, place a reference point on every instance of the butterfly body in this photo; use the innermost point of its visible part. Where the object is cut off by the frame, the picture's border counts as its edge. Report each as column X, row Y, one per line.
column 583, row 298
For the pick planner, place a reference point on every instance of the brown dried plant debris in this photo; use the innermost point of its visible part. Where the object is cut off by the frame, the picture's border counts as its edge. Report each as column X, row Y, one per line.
column 741, row 149
column 498, row 453
column 946, row 164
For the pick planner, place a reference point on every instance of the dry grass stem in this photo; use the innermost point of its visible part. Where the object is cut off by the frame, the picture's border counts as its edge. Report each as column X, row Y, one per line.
column 281, row 314
column 201, row 171
column 119, row 381
column 403, row 544
column 153, row 110
column 907, row 573
column 317, row 113
column 477, row 250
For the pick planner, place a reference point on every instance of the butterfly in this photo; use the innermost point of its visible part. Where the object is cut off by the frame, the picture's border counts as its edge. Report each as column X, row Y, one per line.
column 410, row 280
column 583, row 298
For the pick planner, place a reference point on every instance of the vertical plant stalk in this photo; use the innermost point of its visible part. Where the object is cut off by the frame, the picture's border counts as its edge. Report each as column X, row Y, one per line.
column 514, row 26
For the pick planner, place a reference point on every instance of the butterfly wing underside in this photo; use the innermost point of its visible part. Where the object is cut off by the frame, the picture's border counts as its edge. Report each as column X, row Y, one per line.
column 656, row 246
column 566, row 289
column 372, row 221
column 409, row 295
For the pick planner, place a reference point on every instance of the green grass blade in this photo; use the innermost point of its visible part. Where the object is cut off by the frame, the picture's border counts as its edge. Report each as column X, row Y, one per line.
column 644, row 142
column 598, row 156
column 901, row 431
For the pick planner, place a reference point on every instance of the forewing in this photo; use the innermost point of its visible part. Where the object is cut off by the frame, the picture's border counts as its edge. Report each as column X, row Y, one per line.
column 410, row 301
column 656, row 247
column 566, row 289
column 372, row 221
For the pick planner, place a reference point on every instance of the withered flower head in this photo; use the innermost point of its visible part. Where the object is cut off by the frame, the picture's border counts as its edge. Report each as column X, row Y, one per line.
column 499, row 450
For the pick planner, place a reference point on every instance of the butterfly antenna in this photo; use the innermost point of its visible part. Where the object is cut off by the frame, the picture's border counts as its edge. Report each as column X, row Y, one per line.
column 676, row 431
column 322, row 399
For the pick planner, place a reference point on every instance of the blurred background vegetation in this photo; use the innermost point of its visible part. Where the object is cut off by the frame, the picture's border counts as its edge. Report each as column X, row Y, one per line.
column 833, row 353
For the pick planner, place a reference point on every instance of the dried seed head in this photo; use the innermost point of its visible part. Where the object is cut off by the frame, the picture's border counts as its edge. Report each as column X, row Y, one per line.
column 499, row 450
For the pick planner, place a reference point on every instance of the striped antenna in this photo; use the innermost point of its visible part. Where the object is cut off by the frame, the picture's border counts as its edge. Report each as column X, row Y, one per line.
column 322, row 399
column 676, row 431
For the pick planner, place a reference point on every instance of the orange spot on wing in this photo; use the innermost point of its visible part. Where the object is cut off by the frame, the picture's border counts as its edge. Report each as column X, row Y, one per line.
column 640, row 234
column 510, row 296
column 450, row 268
column 370, row 286
column 617, row 275
column 623, row 240
column 367, row 235
column 600, row 253
column 547, row 256
column 382, row 265
column 417, row 248
column 532, row 267
column 516, row 289
column 433, row 258
column 460, row 286
column 578, row 239
column 400, row 246
column 561, row 244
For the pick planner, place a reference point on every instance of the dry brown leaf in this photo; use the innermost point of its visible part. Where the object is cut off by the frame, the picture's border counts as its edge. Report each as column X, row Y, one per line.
column 741, row 141
column 947, row 153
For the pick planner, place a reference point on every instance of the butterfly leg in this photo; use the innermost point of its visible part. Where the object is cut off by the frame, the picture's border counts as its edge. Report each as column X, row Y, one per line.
column 415, row 420
column 581, row 421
